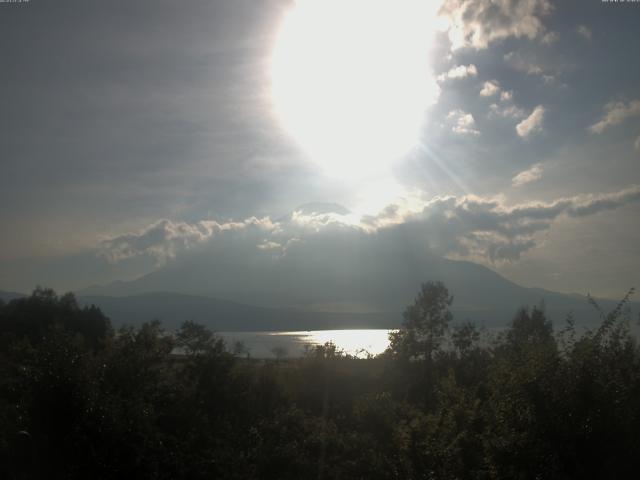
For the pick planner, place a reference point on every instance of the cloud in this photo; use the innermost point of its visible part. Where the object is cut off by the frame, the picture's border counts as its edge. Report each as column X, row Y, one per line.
column 527, row 176
column 472, row 227
column 506, row 96
column 463, row 122
column 164, row 239
column 505, row 108
column 506, row 111
column 590, row 204
column 490, row 88
column 550, row 38
column 517, row 62
column 478, row 23
column 584, row 32
column 487, row 229
column 537, row 67
column 615, row 113
column 532, row 124
column 459, row 71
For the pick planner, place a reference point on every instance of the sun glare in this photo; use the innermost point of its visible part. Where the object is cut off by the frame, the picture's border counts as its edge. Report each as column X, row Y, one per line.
column 351, row 80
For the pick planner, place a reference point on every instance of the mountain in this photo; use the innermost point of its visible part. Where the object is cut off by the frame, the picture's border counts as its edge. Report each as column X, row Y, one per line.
column 480, row 295
column 313, row 262
column 220, row 315
column 8, row 296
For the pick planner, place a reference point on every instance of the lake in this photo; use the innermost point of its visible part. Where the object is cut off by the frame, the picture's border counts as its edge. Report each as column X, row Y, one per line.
column 353, row 342
column 357, row 342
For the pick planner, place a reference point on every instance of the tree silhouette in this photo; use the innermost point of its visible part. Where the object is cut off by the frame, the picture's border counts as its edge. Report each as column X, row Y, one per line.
column 196, row 339
column 425, row 323
column 441, row 403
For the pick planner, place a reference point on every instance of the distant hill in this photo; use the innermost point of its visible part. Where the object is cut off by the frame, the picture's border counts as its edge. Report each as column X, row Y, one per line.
column 201, row 292
column 8, row 296
column 221, row 315
column 224, row 315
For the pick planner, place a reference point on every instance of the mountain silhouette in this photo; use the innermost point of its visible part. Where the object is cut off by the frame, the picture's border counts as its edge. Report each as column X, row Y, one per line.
column 326, row 297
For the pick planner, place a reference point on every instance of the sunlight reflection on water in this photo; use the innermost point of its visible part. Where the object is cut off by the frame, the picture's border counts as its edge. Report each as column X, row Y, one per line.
column 360, row 343
column 353, row 342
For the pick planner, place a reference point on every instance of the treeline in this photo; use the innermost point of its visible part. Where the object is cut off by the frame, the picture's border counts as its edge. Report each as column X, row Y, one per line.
column 80, row 400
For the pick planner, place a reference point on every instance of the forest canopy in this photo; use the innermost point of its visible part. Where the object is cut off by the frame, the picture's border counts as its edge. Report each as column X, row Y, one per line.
column 79, row 399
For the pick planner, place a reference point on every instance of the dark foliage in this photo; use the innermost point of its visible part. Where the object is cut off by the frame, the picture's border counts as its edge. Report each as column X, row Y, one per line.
column 78, row 400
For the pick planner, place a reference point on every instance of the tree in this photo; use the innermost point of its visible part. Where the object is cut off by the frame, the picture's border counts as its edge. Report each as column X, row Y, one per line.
column 465, row 337
column 43, row 313
column 279, row 351
column 530, row 328
column 240, row 349
column 196, row 339
column 425, row 323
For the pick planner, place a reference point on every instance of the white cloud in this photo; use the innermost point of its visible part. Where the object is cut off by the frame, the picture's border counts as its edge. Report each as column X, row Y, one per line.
column 165, row 239
column 584, row 32
column 486, row 228
column 532, row 124
column 506, row 96
column 470, row 226
column 616, row 113
column 506, row 111
column 505, row 108
column 490, row 88
column 267, row 245
column 459, row 71
column 477, row 23
column 527, row 176
column 550, row 38
column 463, row 122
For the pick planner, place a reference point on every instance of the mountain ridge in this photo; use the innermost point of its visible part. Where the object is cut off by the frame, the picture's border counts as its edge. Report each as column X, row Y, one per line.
column 480, row 295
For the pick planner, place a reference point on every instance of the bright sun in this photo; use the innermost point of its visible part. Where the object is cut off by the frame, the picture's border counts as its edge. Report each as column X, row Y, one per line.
column 351, row 80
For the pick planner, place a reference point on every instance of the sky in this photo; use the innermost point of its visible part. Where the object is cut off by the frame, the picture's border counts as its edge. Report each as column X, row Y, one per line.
column 137, row 134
